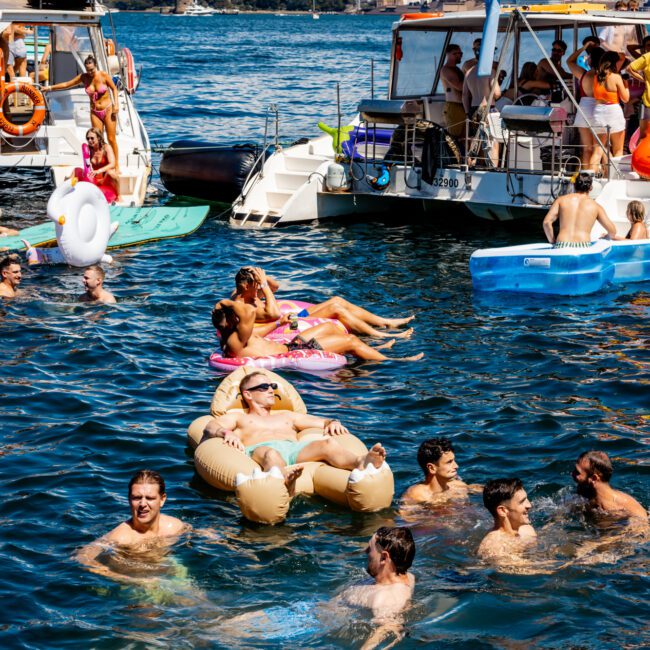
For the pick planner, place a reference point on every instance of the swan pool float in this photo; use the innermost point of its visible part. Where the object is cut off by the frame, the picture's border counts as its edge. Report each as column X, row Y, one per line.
column 263, row 496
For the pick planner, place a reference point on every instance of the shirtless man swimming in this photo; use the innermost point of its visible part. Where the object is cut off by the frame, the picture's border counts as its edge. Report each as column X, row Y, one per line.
column 146, row 529
column 390, row 554
column 577, row 214
column 592, row 473
column 269, row 436
column 508, row 503
column 441, row 483
column 235, row 321
column 10, row 276
column 94, row 285
column 452, row 80
column 255, row 288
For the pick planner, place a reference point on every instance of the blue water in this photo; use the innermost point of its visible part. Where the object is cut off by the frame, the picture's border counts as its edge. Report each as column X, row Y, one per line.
column 521, row 384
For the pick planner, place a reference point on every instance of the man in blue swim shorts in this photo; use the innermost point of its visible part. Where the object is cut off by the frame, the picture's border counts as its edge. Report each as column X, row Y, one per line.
column 255, row 288
column 270, row 437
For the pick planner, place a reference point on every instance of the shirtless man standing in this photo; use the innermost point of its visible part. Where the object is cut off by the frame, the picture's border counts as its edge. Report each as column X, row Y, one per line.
column 94, row 285
column 390, row 555
column 508, row 503
column 269, row 436
column 441, row 483
column 235, row 321
column 592, row 473
column 146, row 529
column 10, row 276
column 452, row 79
column 255, row 288
column 577, row 214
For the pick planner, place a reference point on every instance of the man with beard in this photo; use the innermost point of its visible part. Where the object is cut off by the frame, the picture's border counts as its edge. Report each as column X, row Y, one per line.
column 592, row 473
column 390, row 554
column 10, row 276
column 508, row 503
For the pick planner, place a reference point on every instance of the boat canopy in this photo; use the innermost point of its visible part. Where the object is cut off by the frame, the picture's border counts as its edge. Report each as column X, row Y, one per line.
column 61, row 11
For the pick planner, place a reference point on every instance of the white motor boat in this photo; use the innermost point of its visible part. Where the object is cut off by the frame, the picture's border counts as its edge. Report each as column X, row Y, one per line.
column 198, row 10
column 402, row 159
column 70, row 36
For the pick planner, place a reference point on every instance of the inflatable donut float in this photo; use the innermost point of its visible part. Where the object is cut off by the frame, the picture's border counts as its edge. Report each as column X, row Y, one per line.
column 263, row 496
column 83, row 222
column 295, row 360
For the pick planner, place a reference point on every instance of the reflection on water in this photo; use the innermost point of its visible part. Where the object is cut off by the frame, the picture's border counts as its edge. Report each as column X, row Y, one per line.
column 523, row 385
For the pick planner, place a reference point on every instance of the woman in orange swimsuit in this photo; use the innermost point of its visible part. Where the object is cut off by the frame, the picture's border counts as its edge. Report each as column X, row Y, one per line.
column 103, row 100
column 609, row 92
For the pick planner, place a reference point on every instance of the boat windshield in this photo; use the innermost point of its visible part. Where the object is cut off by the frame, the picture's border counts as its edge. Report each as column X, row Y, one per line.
column 71, row 45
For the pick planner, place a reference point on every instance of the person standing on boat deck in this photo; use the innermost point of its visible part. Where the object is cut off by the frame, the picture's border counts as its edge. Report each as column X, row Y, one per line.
column 104, row 100
column 587, row 103
column 639, row 69
column 452, row 79
column 93, row 280
column 617, row 38
column 470, row 63
column 577, row 213
column 508, row 503
column 390, row 552
column 254, row 287
column 592, row 473
column 235, row 321
column 609, row 91
column 10, row 276
column 17, row 62
column 544, row 69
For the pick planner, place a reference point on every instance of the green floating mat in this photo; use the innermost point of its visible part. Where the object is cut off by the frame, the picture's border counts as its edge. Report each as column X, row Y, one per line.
column 137, row 226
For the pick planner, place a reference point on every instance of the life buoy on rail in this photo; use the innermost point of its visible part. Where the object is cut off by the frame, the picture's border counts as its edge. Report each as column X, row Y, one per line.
column 263, row 496
column 38, row 116
column 83, row 222
column 128, row 70
column 110, row 47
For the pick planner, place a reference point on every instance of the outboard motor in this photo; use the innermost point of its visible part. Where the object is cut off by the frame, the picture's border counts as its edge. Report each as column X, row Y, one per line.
column 207, row 171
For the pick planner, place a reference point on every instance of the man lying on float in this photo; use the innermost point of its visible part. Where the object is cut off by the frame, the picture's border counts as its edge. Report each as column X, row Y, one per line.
column 255, row 288
column 270, row 437
column 235, row 322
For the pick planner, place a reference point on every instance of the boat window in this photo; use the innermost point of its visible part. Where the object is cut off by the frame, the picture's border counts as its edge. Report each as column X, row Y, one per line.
column 417, row 57
column 71, row 46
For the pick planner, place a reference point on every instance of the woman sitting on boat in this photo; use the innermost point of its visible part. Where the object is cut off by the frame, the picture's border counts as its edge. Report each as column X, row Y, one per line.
column 527, row 85
column 102, row 170
column 103, row 100
column 609, row 92
column 587, row 104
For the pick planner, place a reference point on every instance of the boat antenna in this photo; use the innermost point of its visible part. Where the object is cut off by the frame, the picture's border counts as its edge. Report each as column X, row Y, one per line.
column 338, row 107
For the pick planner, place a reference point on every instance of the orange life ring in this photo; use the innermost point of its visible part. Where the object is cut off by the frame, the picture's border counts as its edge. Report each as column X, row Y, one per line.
column 37, row 117
column 128, row 70
column 110, row 47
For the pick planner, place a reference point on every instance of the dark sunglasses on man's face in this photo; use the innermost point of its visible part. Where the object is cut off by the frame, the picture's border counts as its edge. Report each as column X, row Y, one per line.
column 262, row 387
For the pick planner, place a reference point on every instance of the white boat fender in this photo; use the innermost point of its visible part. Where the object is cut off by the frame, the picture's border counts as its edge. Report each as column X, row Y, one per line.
column 83, row 222
column 337, row 178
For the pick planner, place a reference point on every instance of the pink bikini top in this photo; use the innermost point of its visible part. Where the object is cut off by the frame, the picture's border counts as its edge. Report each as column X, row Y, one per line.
column 96, row 94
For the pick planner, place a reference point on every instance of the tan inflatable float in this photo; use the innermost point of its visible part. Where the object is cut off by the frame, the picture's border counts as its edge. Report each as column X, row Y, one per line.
column 263, row 496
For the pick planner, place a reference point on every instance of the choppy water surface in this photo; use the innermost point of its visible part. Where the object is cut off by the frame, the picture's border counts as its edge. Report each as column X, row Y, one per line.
column 90, row 394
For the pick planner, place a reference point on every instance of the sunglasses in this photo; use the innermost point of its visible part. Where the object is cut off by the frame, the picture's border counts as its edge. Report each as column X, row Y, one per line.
column 262, row 387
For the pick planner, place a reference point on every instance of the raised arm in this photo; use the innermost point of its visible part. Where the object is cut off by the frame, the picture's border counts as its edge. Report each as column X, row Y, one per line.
column 270, row 311
column 550, row 219
column 572, row 63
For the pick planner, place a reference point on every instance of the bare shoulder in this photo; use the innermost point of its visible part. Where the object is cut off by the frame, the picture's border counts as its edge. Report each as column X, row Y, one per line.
column 418, row 493
column 170, row 526
column 632, row 506
column 526, row 532
column 122, row 535
column 491, row 545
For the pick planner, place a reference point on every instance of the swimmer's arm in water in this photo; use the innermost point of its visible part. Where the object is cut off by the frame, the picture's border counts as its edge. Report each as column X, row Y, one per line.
column 224, row 427
column 331, row 427
column 550, row 219
column 386, row 613
column 607, row 224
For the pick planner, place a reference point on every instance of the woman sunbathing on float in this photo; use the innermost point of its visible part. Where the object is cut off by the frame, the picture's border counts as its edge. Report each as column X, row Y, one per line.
column 235, row 321
column 103, row 97
column 99, row 167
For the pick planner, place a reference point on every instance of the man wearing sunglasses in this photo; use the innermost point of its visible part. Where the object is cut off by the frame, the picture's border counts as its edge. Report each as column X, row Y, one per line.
column 545, row 71
column 270, row 437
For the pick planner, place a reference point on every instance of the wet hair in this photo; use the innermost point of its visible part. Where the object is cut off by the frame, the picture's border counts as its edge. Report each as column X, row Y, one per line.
column 244, row 383
column 598, row 461
column 561, row 44
column 528, row 71
column 431, row 451
column 90, row 59
column 6, row 262
column 608, row 63
column 98, row 270
column 452, row 47
column 591, row 39
column 399, row 544
column 595, row 56
column 148, row 476
column 498, row 491
column 637, row 211
column 583, row 183
column 98, row 133
column 244, row 276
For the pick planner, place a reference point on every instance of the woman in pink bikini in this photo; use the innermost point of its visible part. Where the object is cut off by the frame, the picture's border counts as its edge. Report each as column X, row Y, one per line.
column 103, row 100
